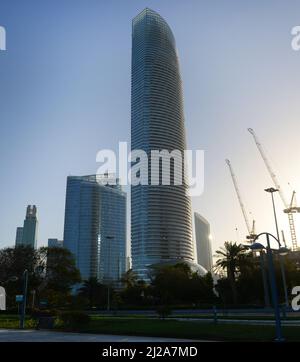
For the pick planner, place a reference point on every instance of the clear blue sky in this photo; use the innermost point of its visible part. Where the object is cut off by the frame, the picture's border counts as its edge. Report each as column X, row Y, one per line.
column 65, row 94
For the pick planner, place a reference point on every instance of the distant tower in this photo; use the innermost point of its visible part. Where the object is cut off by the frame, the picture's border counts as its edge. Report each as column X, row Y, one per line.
column 29, row 230
column 203, row 242
column 55, row 243
column 19, row 236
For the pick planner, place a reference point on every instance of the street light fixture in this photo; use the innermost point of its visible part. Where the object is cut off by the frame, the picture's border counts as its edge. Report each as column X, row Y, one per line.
column 271, row 190
column 11, row 279
column 256, row 247
column 283, row 251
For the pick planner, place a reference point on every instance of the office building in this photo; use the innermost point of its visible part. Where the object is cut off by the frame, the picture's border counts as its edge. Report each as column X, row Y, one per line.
column 28, row 235
column 203, row 242
column 55, row 243
column 161, row 221
column 95, row 227
column 19, row 236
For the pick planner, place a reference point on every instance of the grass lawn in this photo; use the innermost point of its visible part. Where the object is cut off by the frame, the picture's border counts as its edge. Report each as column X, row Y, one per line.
column 189, row 330
column 172, row 328
column 237, row 317
column 200, row 316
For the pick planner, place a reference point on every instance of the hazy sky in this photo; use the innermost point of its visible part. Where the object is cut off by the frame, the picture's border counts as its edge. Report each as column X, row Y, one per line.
column 65, row 94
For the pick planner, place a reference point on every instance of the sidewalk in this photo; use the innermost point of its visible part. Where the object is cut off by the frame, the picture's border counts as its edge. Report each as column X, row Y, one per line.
column 12, row 335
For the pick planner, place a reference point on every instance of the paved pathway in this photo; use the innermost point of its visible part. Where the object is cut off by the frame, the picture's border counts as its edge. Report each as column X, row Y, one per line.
column 12, row 335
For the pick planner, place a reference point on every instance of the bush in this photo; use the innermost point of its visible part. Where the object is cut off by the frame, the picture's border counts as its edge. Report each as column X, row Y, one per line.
column 163, row 311
column 31, row 323
column 37, row 313
column 73, row 320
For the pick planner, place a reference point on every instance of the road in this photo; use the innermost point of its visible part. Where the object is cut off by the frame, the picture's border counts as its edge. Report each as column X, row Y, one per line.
column 12, row 335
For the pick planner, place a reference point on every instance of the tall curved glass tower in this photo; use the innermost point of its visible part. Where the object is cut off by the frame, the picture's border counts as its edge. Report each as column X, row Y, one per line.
column 161, row 230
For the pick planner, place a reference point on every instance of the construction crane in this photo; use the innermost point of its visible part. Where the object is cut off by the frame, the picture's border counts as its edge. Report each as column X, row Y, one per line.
column 290, row 208
column 251, row 229
column 283, row 238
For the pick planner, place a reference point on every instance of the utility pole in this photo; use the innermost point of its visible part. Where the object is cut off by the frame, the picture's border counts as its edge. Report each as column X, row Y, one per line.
column 271, row 190
column 23, row 309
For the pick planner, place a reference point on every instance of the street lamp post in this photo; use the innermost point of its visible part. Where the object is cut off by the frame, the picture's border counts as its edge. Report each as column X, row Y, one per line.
column 274, row 291
column 109, row 237
column 23, row 310
column 271, row 190
column 33, row 293
column 265, row 279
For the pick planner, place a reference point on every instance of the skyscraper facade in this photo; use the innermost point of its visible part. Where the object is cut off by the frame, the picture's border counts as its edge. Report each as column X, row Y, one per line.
column 19, row 236
column 203, row 242
column 161, row 229
column 95, row 227
column 27, row 235
column 55, row 243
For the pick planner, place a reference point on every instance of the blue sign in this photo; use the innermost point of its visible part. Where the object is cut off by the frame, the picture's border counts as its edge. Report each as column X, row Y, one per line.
column 19, row 298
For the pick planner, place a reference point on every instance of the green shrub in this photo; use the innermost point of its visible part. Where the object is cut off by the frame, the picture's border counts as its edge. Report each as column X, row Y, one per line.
column 31, row 323
column 37, row 313
column 72, row 320
column 163, row 311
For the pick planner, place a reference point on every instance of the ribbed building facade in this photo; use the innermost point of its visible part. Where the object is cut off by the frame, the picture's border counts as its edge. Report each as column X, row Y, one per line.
column 95, row 227
column 161, row 230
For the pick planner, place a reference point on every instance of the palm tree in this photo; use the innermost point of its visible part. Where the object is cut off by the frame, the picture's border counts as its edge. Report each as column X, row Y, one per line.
column 92, row 290
column 129, row 278
column 232, row 256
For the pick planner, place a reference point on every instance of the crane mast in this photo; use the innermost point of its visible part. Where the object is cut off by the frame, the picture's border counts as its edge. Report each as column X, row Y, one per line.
column 250, row 230
column 289, row 209
column 268, row 166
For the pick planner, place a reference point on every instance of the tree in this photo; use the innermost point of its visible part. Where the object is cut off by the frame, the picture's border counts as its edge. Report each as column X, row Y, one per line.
column 13, row 262
column 51, row 273
column 249, row 280
column 59, row 275
column 232, row 258
column 179, row 284
column 94, row 292
column 129, row 279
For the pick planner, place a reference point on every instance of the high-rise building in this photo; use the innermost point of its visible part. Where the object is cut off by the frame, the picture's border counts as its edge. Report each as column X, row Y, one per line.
column 203, row 242
column 55, row 243
column 19, row 236
column 95, row 227
column 29, row 230
column 161, row 230
column 53, row 256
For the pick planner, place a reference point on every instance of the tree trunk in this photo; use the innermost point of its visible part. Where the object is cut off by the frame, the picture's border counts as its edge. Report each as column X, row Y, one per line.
column 233, row 287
